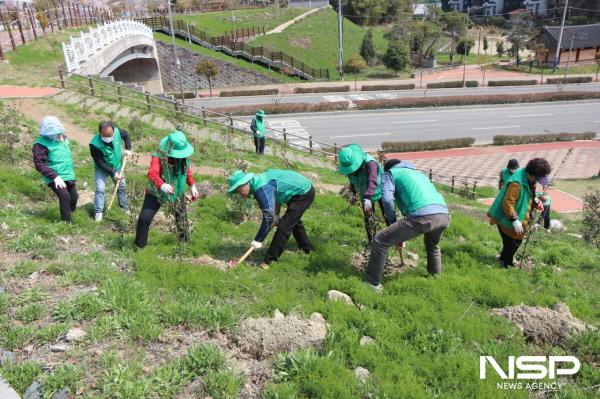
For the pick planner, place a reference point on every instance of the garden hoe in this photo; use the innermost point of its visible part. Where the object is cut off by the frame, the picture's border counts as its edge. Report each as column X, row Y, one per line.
column 114, row 194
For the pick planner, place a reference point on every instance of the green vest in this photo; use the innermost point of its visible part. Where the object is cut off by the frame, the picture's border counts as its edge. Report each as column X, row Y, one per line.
column 505, row 175
column 288, row 184
column 522, row 204
column 112, row 154
column 60, row 159
column 359, row 179
column 260, row 128
column 176, row 178
column 414, row 190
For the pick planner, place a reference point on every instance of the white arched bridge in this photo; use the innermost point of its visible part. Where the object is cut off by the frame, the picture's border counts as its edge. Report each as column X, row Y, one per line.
column 125, row 50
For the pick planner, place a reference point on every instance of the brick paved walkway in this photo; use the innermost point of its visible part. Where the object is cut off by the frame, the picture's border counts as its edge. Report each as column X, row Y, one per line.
column 23, row 91
column 482, row 164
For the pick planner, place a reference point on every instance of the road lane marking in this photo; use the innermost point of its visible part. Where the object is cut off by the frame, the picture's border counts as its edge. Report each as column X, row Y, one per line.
column 421, row 121
column 529, row 115
column 334, row 99
column 359, row 135
column 494, row 127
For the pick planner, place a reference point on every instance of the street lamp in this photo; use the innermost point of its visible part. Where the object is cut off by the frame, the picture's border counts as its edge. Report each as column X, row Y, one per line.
column 580, row 36
column 340, row 41
column 177, row 62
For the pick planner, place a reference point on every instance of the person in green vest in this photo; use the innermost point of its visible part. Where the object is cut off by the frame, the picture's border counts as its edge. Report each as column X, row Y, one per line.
column 107, row 153
column 507, row 172
column 52, row 158
column 425, row 213
column 364, row 173
column 169, row 176
column 271, row 190
column 545, row 200
column 258, row 131
column 511, row 210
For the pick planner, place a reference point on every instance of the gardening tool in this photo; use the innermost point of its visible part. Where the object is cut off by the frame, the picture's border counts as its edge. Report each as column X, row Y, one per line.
column 114, row 194
column 234, row 263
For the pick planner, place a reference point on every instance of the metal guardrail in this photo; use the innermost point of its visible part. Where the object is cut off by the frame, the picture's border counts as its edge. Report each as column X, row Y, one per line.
column 144, row 100
column 275, row 59
column 80, row 49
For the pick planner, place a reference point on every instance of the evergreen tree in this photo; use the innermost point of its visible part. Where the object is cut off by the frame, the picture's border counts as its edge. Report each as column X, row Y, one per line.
column 397, row 56
column 367, row 48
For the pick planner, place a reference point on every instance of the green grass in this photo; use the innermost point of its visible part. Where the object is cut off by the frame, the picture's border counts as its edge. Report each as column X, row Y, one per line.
column 217, row 23
column 429, row 332
column 579, row 187
column 314, row 42
column 573, row 70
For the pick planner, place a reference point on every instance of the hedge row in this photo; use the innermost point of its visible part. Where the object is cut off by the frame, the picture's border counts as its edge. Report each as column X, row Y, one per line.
column 257, row 92
column 285, row 108
column 186, row 95
column 301, row 90
column 542, row 138
column 453, row 84
column 573, row 79
column 512, row 82
column 406, row 146
column 474, row 100
column 387, row 87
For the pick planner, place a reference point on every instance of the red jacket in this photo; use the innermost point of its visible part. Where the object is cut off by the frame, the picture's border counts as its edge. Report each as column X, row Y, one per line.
column 155, row 174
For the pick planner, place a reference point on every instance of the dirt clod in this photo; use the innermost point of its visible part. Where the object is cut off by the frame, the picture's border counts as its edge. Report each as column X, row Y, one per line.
column 362, row 374
column 333, row 295
column 206, row 260
column 263, row 337
column 542, row 325
column 366, row 340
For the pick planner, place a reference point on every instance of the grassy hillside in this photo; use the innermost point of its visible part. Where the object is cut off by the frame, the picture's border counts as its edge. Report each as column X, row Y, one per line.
column 314, row 41
column 157, row 320
column 217, row 23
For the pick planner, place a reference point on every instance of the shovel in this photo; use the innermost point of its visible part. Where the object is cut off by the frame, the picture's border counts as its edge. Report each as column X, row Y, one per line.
column 114, row 194
column 234, row 263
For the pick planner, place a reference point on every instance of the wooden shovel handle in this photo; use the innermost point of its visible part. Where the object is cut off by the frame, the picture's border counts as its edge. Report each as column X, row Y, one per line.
column 243, row 258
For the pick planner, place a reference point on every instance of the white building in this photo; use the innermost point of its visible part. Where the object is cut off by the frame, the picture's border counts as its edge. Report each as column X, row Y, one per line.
column 536, row 7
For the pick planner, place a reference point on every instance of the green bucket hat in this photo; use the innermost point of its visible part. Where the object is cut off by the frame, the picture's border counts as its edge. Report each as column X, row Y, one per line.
column 351, row 157
column 260, row 113
column 176, row 145
column 237, row 179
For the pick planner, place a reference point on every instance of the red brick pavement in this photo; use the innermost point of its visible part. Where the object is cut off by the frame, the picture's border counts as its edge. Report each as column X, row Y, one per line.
column 23, row 91
column 482, row 164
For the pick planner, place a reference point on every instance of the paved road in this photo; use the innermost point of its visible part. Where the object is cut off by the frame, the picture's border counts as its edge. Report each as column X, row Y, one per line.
column 316, row 98
column 370, row 129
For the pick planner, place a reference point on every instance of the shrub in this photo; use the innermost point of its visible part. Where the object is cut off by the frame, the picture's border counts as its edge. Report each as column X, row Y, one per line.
column 512, row 82
column 257, row 92
column 406, row 146
column 473, row 100
column 186, row 94
column 452, row 84
column 284, row 108
column 591, row 218
column 387, row 87
column 301, row 90
column 542, row 138
column 572, row 79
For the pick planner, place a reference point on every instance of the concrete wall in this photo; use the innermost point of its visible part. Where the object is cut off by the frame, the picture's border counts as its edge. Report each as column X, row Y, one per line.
column 143, row 71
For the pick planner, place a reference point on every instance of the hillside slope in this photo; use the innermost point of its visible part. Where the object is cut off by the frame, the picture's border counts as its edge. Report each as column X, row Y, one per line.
column 163, row 321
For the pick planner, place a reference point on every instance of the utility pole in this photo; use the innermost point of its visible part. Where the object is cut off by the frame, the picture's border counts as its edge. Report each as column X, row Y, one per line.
column 177, row 62
column 580, row 36
column 560, row 36
column 340, row 41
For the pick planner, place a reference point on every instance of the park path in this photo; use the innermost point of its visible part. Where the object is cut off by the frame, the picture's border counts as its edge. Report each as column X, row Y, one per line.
column 285, row 25
column 26, row 92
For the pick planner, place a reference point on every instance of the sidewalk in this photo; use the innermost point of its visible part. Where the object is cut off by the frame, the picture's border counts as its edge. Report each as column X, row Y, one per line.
column 26, row 92
column 483, row 164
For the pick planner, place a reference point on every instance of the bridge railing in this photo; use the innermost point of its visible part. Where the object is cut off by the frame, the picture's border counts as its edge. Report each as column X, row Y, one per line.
column 199, row 115
column 80, row 49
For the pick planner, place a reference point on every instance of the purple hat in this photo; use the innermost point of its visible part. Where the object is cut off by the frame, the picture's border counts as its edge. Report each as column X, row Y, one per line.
column 543, row 180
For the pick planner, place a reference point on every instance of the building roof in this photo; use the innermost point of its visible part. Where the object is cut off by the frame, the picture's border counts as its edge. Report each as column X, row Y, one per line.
column 586, row 36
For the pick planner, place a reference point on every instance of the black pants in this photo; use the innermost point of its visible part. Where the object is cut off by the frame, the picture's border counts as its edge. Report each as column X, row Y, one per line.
column 67, row 199
column 546, row 216
column 150, row 207
column 509, row 248
column 291, row 223
column 371, row 230
column 259, row 143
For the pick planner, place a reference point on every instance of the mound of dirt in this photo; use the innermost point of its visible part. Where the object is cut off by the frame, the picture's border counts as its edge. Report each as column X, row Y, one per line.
column 393, row 265
column 302, row 42
column 264, row 336
column 543, row 325
column 206, row 260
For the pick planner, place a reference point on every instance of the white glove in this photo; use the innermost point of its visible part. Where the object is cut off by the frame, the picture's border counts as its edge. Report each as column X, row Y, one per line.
column 194, row 192
column 119, row 176
column 59, row 182
column 276, row 220
column 367, row 205
column 128, row 153
column 402, row 245
column 518, row 227
column 167, row 188
column 256, row 245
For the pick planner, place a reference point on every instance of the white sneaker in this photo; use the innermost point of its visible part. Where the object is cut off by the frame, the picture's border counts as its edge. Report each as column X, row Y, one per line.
column 376, row 288
column 98, row 217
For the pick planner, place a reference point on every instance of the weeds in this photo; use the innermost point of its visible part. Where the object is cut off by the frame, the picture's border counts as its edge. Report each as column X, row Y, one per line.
column 21, row 375
column 29, row 313
column 64, row 377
